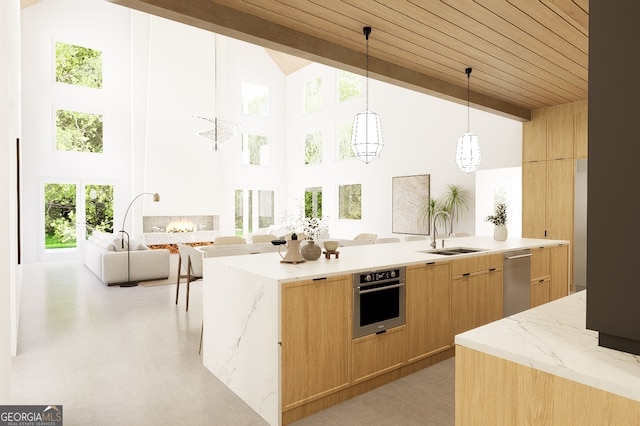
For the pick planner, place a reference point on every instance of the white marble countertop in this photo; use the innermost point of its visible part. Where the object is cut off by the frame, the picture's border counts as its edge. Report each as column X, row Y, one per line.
column 354, row 259
column 553, row 338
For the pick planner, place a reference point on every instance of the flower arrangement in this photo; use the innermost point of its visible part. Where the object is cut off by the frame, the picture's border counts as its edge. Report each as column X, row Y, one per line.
column 500, row 217
column 313, row 228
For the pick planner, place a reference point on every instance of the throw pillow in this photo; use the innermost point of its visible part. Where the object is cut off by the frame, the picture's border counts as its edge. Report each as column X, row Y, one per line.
column 119, row 244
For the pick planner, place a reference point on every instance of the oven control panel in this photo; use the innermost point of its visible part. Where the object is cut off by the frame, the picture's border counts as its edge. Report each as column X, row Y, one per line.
column 377, row 276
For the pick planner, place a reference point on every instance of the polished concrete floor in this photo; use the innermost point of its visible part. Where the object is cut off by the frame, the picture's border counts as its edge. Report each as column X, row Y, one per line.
column 129, row 356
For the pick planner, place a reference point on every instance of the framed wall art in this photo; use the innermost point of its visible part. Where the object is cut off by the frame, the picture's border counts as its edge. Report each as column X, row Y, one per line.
column 410, row 199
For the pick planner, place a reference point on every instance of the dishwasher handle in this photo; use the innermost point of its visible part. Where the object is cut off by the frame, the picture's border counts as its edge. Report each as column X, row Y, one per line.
column 518, row 256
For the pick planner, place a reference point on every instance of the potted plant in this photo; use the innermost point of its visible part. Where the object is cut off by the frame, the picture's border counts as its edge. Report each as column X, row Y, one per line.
column 499, row 220
column 455, row 201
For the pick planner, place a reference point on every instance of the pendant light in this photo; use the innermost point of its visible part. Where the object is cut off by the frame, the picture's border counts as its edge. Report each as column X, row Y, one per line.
column 468, row 149
column 366, row 139
column 223, row 130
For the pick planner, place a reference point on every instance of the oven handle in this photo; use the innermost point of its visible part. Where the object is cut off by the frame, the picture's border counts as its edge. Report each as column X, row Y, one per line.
column 372, row 290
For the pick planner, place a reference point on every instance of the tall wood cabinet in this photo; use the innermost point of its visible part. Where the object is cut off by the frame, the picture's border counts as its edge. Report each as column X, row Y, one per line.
column 552, row 141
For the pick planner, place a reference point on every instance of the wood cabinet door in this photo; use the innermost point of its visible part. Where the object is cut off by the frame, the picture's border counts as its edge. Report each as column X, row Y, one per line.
column 560, row 135
column 540, row 263
column 316, row 339
column 464, row 306
column 560, row 199
column 490, row 297
column 534, row 137
column 540, row 291
column 428, row 310
column 581, row 147
column 559, row 270
column 378, row 353
column 438, row 307
column 534, row 199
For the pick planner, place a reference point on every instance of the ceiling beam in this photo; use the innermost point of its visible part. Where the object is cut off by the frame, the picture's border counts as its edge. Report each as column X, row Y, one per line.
column 218, row 18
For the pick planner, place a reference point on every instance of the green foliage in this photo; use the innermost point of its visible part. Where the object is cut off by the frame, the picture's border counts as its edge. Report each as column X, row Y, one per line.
column 344, row 141
column 254, row 145
column 313, row 148
column 99, row 208
column 78, row 131
column 455, row 200
column 350, row 201
column 78, row 65
column 313, row 202
column 313, row 95
column 500, row 217
column 61, row 217
column 255, row 99
column 60, row 212
column 349, row 85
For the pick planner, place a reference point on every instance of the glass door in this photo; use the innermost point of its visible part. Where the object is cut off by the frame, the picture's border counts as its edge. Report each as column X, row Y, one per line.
column 72, row 210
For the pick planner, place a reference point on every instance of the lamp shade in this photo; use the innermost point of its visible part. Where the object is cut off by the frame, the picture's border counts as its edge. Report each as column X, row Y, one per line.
column 366, row 139
column 468, row 152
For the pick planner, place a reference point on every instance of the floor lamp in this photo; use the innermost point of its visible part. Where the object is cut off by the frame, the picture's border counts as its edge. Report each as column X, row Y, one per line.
column 129, row 283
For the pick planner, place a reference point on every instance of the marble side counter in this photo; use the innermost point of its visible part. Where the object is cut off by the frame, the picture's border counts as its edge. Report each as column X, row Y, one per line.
column 553, row 338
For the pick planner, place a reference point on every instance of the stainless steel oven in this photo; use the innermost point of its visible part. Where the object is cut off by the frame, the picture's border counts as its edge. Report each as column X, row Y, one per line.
column 378, row 301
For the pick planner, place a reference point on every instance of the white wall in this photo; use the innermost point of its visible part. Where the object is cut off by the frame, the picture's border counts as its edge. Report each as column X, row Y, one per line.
column 99, row 25
column 420, row 134
column 494, row 186
column 159, row 74
column 9, row 131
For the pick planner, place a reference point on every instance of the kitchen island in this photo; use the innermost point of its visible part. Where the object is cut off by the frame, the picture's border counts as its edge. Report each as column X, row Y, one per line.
column 543, row 367
column 280, row 335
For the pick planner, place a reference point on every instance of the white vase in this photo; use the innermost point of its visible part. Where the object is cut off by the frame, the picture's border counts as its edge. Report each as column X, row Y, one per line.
column 500, row 233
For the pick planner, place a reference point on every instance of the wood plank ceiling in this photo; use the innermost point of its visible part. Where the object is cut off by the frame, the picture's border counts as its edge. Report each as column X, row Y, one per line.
column 525, row 54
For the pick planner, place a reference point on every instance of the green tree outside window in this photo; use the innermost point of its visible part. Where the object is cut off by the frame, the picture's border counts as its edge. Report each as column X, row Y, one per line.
column 78, row 65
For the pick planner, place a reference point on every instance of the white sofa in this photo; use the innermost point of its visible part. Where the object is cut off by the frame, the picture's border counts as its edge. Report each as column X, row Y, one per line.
column 105, row 257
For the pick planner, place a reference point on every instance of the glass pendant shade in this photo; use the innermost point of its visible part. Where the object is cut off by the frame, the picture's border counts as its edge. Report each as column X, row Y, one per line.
column 468, row 152
column 366, row 139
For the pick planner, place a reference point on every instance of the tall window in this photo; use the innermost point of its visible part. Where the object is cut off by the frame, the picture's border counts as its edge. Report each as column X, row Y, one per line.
column 265, row 208
column 78, row 65
column 255, row 99
column 60, row 215
column 343, row 133
column 350, row 201
column 254, row 209
column 313, row 95
column 255, row 150
column 78, row 131
column 313, row 202
column 349, row 85
column 313, row 148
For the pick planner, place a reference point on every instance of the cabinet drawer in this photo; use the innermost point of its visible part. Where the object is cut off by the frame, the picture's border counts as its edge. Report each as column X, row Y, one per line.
column 539, row 263
column 469, row 265
column 378, row 353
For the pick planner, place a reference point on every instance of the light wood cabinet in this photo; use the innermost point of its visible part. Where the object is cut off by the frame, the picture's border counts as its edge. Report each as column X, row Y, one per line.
column 428, row 309
column 534, row 199
column 547, row 199
column 549, row 273
column 316, row 339
column 559, row 271
column 552, row 141
column 476, row 291
column 377, row 354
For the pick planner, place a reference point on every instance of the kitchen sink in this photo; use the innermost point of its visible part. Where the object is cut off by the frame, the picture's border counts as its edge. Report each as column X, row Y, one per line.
column 452, row 251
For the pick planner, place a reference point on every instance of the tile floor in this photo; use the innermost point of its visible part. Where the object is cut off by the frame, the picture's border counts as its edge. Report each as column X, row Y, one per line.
column 129, row 356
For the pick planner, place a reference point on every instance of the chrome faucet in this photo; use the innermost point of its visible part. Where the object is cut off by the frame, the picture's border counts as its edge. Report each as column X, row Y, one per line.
column 433, row 227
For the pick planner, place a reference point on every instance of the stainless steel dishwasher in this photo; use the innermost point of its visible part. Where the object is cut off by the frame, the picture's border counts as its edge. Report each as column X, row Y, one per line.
column 516, row 281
